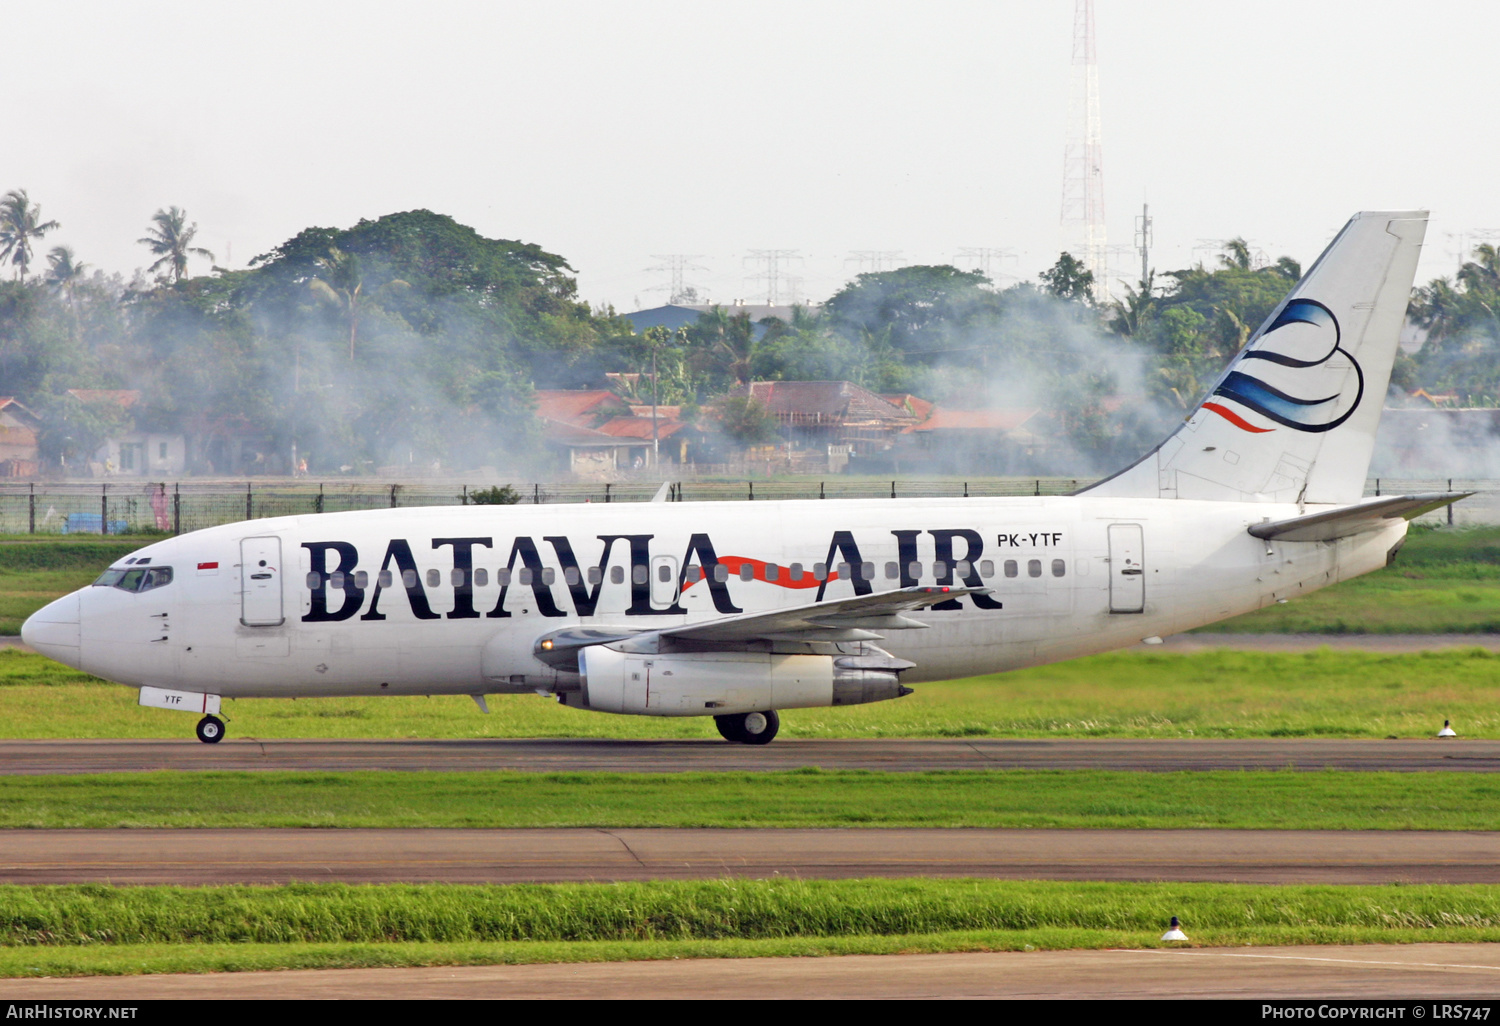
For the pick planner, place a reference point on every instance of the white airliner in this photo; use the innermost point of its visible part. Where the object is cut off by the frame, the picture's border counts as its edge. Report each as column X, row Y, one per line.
column 737, row 610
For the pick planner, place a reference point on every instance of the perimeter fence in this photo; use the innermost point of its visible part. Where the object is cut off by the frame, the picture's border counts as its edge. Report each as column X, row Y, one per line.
column 175, row 507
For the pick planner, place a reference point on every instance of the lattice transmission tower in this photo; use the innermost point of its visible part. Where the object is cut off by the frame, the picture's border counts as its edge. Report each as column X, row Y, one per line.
column 776, row 263
column 1083, row 156
column 677, row 264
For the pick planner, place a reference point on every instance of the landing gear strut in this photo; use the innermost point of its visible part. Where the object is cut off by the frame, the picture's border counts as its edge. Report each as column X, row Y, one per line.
column 756, row 728
column 211, row 730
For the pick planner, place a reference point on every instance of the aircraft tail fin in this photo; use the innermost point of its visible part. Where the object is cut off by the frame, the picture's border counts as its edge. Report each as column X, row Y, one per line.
column 1293, row 418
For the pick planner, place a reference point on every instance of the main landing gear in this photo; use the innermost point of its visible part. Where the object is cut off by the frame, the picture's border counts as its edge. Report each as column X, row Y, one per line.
column 756, row 728
column 211, row 730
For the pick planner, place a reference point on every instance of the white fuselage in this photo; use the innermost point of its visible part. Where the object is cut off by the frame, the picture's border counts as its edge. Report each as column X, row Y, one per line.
column 298, row 606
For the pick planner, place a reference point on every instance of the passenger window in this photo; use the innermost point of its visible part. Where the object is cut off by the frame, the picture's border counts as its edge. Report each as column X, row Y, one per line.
column 962, row 568
column 664, row 574
column 867, row 571
column 692, row 572
column 361, row 580
column 457, row 577
column 409, row 578
column 820, row 571
column 892, row 571
column 795, row 571
column 843, row 572
column 987, row 568
column 596, row 575
column 548, row 576
column 939, row 570
column 721, row 572
column 638, row 574
column 524, row 577
column 384, row 580
column 914, row 570
column 572, row 576
column 772, row 571
column 314, row 579
column 747, row 572
column 1034, row 568
column 434, row 578
column 617, row 575
column 1011, row 570
column 481, row 577
column 336, row 581
column 502, row 577
column 1059, row 567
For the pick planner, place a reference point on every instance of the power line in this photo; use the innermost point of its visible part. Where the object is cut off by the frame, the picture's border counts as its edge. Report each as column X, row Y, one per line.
column 877, row 259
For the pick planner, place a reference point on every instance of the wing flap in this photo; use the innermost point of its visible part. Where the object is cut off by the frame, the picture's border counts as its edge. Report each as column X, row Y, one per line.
column 1370, row 515
column 838, row 620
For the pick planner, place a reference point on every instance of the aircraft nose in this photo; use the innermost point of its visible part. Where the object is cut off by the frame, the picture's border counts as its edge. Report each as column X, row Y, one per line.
column 53, row 630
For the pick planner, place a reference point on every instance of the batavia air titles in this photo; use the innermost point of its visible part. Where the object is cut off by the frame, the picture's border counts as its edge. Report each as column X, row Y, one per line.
column 739, row 610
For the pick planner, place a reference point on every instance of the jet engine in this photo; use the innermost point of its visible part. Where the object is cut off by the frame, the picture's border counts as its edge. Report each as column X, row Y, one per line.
column 721, row 683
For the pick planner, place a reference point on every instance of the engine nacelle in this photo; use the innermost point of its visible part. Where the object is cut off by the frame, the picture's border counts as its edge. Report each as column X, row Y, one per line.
column 718, row 683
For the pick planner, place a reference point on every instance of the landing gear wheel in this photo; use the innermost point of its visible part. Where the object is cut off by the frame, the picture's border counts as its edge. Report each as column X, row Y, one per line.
column 210, row 730
column 757, row 728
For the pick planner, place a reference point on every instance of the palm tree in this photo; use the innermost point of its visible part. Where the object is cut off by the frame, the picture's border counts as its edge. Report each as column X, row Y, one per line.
column 20, row 222
column 339, row 281
column 172, row 242
column 1236, row 255
column 64, row 272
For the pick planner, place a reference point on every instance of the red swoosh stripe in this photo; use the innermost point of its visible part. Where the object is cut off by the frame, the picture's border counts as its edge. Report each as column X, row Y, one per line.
column 1236, row 419
column 783, row 577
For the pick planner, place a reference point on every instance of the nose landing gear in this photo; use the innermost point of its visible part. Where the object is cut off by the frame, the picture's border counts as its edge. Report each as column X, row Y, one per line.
column 210, row 730
column 756, row 728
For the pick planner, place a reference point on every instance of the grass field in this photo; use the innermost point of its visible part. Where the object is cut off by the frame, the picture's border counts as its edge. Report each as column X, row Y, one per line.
column 1079, row 799
column 1445, row 581
column 100, row 929
column 1125, row 694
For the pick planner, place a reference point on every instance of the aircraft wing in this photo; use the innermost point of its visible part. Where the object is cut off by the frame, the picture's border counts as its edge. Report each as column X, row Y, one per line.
column 850, row 619
column 1369, row 515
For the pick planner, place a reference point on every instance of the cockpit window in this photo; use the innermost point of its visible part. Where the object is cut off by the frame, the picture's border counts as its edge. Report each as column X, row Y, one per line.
column 136, row 578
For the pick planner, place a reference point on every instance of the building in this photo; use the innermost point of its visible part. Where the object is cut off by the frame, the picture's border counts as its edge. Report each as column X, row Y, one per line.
column 134, row 453
column 816, row 414
column 19, row 456
column 675, row 316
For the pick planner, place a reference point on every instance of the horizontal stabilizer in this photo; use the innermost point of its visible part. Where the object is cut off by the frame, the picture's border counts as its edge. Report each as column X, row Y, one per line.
column 1346, row 520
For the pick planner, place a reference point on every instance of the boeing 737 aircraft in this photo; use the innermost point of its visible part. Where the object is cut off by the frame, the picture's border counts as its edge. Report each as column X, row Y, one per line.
column 737, row 610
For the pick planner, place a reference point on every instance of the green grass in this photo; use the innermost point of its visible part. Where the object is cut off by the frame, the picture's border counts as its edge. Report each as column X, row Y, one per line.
column 1078, row 799
column 34, row 570
column 1230, row 694
column 101, row 929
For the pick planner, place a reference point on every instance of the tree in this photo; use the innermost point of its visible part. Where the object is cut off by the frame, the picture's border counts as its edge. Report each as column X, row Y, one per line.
column 745, row 419
column 171, row 239
column 1236, row 255
column 339, row 280
column 1068, row 279
column 924, row 310
column 20, row 223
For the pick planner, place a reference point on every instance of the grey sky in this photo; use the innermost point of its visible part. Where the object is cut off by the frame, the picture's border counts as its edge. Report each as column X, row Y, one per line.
column 607, row 132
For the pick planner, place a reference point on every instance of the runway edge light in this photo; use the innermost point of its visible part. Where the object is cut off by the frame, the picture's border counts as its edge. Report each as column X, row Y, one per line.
column 1447, row 730
column 1174, row 931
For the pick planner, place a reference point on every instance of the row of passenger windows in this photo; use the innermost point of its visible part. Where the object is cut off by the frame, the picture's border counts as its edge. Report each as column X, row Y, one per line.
column 665, row 574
